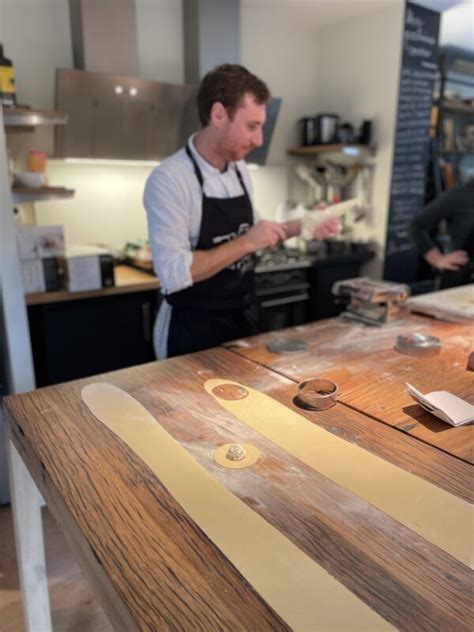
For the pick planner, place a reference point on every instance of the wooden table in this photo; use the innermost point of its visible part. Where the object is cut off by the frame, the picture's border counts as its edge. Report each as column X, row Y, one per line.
column 371, row 374
column 153, row 568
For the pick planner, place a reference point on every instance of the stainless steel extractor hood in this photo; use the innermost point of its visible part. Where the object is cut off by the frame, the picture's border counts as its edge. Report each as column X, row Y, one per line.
column 120, row 117
column 115, row 115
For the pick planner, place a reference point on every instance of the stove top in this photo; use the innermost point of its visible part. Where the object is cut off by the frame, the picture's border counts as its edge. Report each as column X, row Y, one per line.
column 276, row 259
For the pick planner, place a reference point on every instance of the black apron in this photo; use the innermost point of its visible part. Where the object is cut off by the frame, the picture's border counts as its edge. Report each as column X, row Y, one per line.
column 223, row 307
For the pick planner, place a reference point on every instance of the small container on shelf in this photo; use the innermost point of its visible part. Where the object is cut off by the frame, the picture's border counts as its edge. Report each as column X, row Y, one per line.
column 37, row 162
column 30, row 179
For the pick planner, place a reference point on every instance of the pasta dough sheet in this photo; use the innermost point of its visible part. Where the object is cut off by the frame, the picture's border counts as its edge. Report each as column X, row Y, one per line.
column 435, row 514
column 293, row 584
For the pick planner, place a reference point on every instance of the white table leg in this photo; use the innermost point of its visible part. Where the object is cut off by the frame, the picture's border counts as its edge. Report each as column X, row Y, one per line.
column 29, row 542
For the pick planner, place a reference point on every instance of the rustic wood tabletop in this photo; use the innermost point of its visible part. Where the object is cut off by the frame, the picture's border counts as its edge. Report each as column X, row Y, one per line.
column 371, row 374
column 154, row 567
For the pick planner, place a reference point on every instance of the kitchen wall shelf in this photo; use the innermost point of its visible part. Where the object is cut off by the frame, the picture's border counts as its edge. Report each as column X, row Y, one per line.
column 452, row 120
column 26, row 194
column 352, row 150
column 26, row 117
column 457, row 152
column 454, row 106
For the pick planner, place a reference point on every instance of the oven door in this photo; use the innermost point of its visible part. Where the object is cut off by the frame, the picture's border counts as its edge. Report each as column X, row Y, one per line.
column 283, row 298
column 284, row 309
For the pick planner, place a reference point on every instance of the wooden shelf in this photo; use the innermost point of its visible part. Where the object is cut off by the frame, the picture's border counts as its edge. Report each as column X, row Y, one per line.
column 26, row 117
column 28, row 194
column 454, row 106
column 457, row 152
column 350, row 150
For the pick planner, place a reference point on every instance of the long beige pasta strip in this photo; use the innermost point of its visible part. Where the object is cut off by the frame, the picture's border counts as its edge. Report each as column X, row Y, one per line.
column 293, row 584
column 435, row 514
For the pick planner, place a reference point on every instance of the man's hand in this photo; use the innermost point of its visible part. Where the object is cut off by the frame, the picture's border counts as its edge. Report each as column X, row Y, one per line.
column 264, row 234
column 207, row 263
column 452, row 261
column 330, row 228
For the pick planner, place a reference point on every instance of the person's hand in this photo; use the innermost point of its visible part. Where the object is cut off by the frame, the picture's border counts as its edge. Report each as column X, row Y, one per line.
column 452, row 261
column 330, row 228
column 264, row 234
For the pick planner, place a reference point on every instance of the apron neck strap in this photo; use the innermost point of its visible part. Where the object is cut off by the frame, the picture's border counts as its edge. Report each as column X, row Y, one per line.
column 198, row 172
column 241, row 180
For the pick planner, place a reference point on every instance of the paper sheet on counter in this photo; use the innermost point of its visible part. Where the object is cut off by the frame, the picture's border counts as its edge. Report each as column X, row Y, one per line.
column 446, row 406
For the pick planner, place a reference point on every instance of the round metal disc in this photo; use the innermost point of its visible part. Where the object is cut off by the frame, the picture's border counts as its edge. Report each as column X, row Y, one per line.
column 287, row 345
column 419, row 345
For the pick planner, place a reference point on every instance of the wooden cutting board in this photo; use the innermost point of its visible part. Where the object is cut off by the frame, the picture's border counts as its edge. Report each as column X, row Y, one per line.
column 455, row 303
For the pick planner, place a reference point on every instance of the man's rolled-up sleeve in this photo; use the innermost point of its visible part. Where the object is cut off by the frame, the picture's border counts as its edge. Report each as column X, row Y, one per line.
column 167, row 208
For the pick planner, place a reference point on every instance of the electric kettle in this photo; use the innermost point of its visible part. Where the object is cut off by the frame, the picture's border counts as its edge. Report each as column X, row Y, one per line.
column 326, row 128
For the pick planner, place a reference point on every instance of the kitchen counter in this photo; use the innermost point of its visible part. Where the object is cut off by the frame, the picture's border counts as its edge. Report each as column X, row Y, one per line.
column 75, row 334
column 152, row 566
column 127, row 281
column 278, row 259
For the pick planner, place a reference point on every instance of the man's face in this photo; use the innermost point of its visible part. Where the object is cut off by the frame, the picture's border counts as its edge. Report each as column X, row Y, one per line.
column 239, row 135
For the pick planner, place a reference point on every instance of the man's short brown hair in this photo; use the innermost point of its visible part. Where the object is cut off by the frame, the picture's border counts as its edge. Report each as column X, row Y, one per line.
column 227, row 84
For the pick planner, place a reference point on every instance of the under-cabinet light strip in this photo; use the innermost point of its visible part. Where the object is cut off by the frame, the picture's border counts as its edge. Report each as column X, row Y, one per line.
column 110, row 161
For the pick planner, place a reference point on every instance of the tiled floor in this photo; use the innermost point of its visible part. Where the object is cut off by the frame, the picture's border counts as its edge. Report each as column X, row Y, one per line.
column 73, row 606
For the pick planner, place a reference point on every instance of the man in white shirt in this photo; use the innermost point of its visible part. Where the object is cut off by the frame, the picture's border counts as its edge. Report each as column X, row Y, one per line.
column 202, row 227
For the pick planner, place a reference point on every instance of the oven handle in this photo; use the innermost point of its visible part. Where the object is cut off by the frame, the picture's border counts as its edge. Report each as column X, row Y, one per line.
column 296, row 298
column 283, row 288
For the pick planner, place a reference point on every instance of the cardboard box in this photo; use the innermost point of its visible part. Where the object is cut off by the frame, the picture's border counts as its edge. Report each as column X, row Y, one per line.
column 40, row 275
column 40, row 241
column 32, row 273
column 88, row 268
column 82, row 273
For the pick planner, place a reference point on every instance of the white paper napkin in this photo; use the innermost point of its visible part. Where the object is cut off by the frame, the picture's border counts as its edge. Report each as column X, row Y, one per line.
column 446, row 406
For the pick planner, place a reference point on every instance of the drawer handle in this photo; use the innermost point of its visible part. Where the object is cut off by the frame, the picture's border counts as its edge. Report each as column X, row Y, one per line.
column 147, row 322
column 296, row 298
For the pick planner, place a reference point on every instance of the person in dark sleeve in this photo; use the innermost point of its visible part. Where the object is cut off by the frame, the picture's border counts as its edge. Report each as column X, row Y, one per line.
column 455, row 257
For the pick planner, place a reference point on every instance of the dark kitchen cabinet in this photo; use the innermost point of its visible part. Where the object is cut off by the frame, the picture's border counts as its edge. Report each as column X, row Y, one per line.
column 79, row 338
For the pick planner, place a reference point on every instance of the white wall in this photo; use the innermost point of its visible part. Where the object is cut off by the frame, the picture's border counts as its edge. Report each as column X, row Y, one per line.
column 279, row 45
column 36, row 36
column 359, row 68
column 106, row 208
column 160, row 40
column 457, row 26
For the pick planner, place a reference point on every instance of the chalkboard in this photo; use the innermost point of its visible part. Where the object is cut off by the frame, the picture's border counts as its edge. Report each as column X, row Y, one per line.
column 411, row 154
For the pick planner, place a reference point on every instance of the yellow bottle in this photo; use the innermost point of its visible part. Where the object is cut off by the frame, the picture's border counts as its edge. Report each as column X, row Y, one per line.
column 7, row 80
